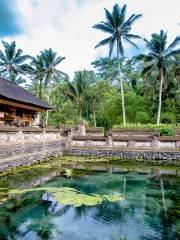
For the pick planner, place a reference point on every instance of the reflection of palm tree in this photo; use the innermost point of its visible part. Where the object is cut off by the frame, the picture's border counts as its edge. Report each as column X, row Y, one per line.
column 163, row 197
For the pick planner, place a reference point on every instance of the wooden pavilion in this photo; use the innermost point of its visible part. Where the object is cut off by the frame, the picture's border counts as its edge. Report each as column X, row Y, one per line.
column 18, row 106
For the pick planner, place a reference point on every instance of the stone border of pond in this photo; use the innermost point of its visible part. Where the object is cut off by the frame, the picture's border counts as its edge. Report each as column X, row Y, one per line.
column 167, row 157
column 12, row 156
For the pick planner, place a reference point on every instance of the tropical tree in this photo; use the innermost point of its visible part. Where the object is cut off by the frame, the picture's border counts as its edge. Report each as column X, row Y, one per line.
column 50, row 62
column 75, row 91
column 38, row 74
column 119, row 29
column 12, row 63
column 158, row 60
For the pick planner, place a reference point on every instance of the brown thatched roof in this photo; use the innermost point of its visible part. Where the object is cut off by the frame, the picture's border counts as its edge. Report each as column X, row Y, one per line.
column 12, row 91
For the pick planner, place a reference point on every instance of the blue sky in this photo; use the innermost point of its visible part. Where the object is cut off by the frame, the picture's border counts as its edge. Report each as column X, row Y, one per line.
column 66, row 26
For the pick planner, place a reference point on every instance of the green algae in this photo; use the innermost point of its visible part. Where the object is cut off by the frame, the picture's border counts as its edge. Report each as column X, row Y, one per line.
column 70, row 196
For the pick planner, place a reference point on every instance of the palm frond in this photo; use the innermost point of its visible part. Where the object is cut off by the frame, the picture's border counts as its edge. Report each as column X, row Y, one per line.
column 18, row 53
column 104, row 42
column 173, row 53
column 174, row 44
column 130, row 42
column 133, row 18
column 132, row 36
column 103, row 27
column 116, row 13
column 58, row 60
column 109, row 17
column 3, row 57
column 111, row 46
column 21, row 59
column 150, row 46
column 123, row 14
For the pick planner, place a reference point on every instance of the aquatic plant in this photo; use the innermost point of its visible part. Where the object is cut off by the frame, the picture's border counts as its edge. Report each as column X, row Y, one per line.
column 70, row 196
column 68, row 172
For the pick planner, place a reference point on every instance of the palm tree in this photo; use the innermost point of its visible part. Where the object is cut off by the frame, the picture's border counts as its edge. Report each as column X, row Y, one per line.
column 12, row 62
column 75, row 91
column 119, row 29
column 158, row 60
column 51, row 61
column 38, row 74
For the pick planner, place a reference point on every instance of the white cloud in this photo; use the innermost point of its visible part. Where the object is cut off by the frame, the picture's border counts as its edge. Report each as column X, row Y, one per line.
column 66, row 26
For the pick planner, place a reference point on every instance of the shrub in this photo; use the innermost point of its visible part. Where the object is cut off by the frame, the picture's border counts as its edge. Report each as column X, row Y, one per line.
column 166, row 131
column 168, row 117
column 142, row 117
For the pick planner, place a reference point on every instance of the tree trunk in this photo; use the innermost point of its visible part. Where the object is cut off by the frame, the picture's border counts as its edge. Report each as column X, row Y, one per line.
column 40, row 89
column 121, row 85
column 94, row 118
column 49, row 93
column 160, row 96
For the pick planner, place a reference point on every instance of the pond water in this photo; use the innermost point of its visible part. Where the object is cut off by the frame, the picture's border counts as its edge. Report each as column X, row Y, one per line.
column 90, row 201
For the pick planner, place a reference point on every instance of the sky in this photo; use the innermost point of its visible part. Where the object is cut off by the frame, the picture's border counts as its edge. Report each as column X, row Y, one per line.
column 66, row 26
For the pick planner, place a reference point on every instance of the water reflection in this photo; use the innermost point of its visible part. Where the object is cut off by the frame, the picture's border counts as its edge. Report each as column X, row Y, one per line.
column 149, row 211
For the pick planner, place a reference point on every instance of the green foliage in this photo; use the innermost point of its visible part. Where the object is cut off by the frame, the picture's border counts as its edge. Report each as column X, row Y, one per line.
column 12, row 63
column 142, row 117
column 146, row 126
column 168, row 118
column 95, row 96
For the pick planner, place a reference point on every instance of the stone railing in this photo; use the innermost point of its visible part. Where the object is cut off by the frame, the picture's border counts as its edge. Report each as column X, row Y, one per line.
column 15, row 135
column 89, row 137
column 125, row 141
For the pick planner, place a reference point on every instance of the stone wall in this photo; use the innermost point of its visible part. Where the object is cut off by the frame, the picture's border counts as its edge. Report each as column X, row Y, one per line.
column 12, row 156
column 168, row 157
column 14, row 135
column 89, row 137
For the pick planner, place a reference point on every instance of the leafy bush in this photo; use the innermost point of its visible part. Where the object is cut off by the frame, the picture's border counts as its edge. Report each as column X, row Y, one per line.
column 162, row 129
column 142, row 117
column 168, row 118
column 166, row 131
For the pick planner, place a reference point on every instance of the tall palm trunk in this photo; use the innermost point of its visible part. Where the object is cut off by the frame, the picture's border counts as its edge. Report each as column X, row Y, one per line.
column 121, row 85
column 160, row 96
column 94, row 118
column 48, row 100
column 40, row 89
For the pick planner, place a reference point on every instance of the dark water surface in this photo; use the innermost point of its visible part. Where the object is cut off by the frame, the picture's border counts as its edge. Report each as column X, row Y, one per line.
column 149, row 206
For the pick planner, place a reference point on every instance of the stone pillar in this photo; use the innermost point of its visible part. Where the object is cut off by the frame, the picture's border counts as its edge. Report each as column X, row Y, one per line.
column 69, row 138
column 36, row 119
column 1, row 118
column 18, row 120
column 177, row 144
column 81, row 129
column 155, row 142
column 109, row 140
column 131, row 143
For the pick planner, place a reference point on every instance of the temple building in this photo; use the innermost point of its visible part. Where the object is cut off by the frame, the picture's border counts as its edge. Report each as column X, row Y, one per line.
column 18, row 106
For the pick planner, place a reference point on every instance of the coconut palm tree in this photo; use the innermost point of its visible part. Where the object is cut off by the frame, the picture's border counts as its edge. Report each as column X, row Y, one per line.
column 51, row 61
column 158, row 60
column 38, row 74
column 75, row 91
column 12, row 62
column 119, row 29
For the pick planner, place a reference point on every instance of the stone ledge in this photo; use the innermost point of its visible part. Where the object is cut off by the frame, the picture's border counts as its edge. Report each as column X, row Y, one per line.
column 168, row 157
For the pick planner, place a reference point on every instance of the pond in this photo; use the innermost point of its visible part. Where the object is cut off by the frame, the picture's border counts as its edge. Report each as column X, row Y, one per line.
column 86, row 199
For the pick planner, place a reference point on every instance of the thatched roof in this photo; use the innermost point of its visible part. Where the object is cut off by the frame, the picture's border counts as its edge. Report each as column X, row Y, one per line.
column 12, row 91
